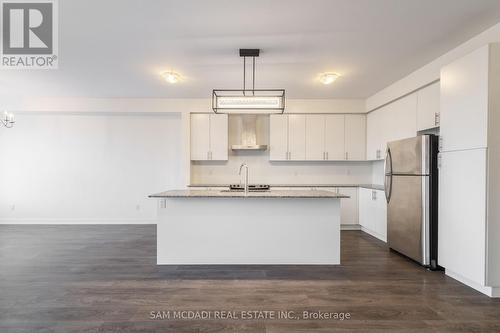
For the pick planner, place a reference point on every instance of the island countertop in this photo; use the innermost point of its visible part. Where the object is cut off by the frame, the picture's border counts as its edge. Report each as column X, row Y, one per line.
column 277, row 186
column 240, row 194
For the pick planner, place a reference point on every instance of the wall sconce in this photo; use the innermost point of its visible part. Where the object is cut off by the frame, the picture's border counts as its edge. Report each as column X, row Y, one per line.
column 8, row 120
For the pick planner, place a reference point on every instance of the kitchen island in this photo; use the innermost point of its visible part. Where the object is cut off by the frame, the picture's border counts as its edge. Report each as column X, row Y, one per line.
column 227, row 227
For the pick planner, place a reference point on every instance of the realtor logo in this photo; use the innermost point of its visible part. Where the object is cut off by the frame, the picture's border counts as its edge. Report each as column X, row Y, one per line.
column 29, row 34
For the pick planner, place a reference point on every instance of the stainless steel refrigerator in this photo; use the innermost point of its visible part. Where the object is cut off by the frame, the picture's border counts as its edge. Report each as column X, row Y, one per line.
column 411, row 189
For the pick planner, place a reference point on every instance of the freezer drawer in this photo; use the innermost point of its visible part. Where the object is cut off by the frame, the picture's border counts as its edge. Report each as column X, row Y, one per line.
column 408, row 217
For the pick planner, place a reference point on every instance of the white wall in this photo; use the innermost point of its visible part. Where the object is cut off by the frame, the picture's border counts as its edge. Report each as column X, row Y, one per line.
column 88, row 167
column 263, row 171
column 431, row 71
column 162, row 105
column 378, row 172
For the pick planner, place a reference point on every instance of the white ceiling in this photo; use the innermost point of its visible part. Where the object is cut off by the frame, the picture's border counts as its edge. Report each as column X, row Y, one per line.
column 117, row 48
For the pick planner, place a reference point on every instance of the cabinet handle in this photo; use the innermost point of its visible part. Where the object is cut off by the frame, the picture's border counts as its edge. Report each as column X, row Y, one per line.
column 374, row 195
column 378, row 154
column 437, row 118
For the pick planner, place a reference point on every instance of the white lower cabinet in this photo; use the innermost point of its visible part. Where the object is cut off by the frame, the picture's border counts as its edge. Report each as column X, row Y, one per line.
column 462, row 217
column 373, row 212
column 349, row 207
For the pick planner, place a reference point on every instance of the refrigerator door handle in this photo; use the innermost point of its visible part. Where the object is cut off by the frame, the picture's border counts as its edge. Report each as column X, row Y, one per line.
column 388, row 175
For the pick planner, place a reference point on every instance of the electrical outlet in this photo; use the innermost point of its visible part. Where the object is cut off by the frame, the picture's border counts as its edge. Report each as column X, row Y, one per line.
column 12, row 207
column 138, row 207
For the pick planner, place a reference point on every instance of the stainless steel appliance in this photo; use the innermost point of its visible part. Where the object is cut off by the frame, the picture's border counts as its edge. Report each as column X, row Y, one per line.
column 251, row 187
column 411, row 188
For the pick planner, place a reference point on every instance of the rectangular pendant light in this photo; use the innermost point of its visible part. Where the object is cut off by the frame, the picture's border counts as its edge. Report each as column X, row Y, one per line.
column 248, row 101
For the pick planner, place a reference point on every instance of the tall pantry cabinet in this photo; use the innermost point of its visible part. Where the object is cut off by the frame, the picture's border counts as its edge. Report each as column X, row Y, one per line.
column 469, row 170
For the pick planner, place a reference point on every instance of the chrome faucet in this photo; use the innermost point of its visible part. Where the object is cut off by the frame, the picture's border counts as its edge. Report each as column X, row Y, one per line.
column 244, row 165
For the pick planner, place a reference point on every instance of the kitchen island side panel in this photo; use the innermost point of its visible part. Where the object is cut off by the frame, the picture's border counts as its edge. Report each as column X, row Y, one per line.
column 248, row 231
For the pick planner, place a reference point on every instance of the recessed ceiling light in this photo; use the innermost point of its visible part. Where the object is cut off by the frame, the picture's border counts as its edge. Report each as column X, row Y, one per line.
column 171, row 77
column 328, row 78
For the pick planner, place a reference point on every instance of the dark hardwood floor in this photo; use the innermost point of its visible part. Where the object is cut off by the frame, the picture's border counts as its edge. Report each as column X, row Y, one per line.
column 105, row 279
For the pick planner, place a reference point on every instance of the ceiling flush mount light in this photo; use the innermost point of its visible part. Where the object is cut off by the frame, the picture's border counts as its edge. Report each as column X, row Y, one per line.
column 8, row 120
column 328, row 78
column 250, row 101
column 171, row 77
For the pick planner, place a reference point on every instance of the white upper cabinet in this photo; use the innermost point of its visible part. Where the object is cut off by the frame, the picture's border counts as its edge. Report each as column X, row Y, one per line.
column 334, row 137
column 428, row 107
column 315, row 137
column 374, row 134
column 394, row 121
column 464, row 102
column 401, row 119
column 278, row 138
column 219, row 137
column 209, row 137
column 355, row 137
column 297, row 137
column 287, row 137
column 200, row 143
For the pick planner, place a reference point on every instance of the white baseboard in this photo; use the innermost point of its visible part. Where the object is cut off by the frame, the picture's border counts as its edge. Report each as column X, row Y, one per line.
column 77, row 221
column 374, row 234
column 350, row 227
column 488, row 291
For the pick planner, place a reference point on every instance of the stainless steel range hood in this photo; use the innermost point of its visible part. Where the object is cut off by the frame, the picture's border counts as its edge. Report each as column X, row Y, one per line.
column 248, row 134
column 249, row 147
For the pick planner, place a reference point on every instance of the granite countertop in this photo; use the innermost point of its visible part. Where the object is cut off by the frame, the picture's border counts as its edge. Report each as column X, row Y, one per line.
column 368, row 186
column 239, row 194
